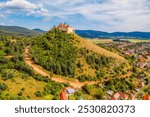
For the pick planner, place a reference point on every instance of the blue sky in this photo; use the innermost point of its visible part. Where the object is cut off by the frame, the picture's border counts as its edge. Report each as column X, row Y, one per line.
column 104, row 15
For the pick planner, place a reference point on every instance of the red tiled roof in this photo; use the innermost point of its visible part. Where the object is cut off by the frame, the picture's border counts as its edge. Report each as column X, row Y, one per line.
column 62, row 26
column 142, row 59
column 122, row 95
column 63, row 96
column 118, row 96
column 146, row 97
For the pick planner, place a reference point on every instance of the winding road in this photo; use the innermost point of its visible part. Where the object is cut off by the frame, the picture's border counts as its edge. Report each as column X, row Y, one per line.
column 73, row 82
column 38, row 69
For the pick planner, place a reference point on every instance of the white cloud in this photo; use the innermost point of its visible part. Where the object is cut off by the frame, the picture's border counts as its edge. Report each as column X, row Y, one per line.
column 118, row 15
column 18, row 4
column 2, row 24
column 108, row 15
column 24, row 5
column 2, row 16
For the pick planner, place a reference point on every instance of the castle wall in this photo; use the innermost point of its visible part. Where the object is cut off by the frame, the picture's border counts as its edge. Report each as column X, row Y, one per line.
column 65, row 28
column 70, row 30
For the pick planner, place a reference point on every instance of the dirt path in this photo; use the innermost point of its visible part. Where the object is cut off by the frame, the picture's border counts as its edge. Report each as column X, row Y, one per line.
column 74, row 82
column 43, row 72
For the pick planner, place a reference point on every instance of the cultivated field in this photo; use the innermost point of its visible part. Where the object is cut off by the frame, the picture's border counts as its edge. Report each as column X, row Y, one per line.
column 97, row 41
column 139, row 40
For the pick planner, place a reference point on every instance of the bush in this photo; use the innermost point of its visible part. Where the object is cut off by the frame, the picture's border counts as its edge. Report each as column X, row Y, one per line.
column 7, row 74
column 38, row 94
column 53, row 88
column 3, row 87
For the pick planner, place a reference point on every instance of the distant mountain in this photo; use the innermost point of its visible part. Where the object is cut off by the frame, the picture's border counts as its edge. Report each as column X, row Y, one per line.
column 19, row 31
column 39, row 30
column 100, row 34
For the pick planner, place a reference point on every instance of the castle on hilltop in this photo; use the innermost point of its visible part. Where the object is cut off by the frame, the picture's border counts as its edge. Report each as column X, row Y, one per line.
column 66, row 28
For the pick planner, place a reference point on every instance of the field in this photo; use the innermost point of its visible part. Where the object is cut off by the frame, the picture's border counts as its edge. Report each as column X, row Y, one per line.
column 139, row 40
column 96, row 41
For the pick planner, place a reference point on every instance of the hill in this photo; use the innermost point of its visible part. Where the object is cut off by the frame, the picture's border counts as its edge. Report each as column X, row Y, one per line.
column 18, row 31
column 42, row 67
column 39, row 30
column 100, row 34
column 71, row 56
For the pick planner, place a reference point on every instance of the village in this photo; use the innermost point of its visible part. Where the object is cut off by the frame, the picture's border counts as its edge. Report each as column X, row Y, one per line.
column 139, row 51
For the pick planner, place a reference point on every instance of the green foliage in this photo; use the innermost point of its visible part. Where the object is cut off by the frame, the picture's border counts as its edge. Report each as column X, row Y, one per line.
column 53, row 88
column 7, row 74
column 147, row 90
column 3, row 87
column 12, row 65
column 55, row 52
column 83, row 78
column 38, row 94
column 14, row 30
column 119, row 85
column 94, row 91
column 41, row 78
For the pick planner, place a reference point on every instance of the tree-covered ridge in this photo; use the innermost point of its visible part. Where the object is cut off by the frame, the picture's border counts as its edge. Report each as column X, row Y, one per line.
column 18, row 31
column 55, row 52
column 61, row 54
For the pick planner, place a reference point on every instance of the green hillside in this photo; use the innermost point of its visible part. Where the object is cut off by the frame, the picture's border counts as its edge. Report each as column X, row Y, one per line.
column 18, row 31
column 18, row 81
column 41, row 67
column 70, row 56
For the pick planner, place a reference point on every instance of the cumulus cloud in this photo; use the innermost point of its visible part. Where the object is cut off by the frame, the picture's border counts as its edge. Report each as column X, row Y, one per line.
column 18, row 4
column 24, row 5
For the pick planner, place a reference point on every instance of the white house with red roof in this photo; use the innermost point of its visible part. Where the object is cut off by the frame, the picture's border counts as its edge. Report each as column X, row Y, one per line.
column 119, row 96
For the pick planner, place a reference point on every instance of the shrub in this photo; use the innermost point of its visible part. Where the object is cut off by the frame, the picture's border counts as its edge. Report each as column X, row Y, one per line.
column 3, row 87
column 7, row 74
column 38, row 94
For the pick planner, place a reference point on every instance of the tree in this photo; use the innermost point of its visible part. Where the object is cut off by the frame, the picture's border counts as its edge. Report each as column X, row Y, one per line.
column 38, row 94
column 3, row 87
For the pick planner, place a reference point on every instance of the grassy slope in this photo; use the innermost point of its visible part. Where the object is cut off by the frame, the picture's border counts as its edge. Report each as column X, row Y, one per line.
column 30, row 85
column 97, row 41
column 89, row 45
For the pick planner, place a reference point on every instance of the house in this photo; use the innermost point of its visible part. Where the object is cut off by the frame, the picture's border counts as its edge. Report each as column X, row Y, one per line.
column 119, row 96
column 137, row 90
column 141, row 84
column 70, row 90
column 66, row 28
column 146, row 97
column 142, row 59
column 109, row 92
column 64, row 95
